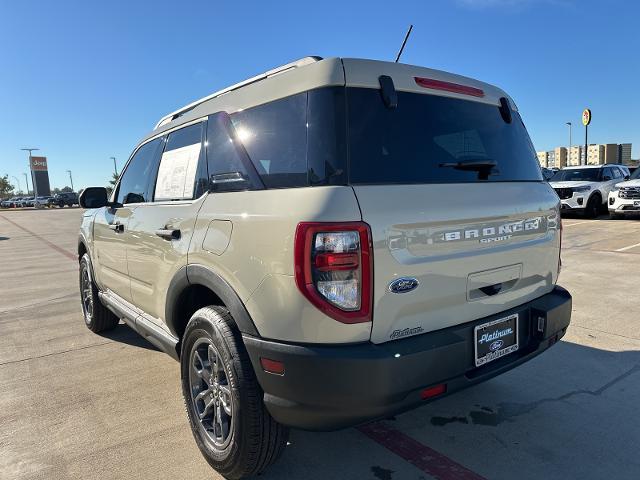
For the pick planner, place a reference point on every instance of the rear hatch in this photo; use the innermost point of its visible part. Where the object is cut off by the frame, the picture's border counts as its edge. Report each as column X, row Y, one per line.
column 453, row 193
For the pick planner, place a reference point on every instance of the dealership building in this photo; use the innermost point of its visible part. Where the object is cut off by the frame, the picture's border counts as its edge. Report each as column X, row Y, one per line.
column 596, row 153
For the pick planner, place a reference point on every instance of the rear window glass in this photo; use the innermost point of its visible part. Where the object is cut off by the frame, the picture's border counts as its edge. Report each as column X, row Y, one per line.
column 433, row 139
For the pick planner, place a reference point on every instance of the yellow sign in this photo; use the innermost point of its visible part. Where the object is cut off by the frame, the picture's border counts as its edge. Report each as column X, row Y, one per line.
column 586, row 117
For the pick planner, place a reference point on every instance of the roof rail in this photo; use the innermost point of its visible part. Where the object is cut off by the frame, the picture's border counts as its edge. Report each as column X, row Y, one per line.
column 289, row 66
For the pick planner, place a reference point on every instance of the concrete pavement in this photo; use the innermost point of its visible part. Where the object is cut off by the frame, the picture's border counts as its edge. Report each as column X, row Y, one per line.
column 74, row 405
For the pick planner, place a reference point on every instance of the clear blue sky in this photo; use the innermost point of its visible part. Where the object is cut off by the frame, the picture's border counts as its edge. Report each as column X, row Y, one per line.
column 84, row 80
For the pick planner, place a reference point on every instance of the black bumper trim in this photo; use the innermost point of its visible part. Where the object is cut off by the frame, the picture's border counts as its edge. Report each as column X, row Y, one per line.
column 332, row 387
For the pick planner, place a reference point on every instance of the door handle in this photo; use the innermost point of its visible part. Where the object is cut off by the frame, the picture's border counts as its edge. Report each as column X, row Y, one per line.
column 117, row 227
column 168, row 234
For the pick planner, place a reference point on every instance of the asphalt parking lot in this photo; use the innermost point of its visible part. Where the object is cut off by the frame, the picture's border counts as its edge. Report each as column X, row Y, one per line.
column 74, row 405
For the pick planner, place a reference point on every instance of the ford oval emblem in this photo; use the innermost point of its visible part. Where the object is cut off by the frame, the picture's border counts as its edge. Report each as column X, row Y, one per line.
column 497, row 345
column 403, row 285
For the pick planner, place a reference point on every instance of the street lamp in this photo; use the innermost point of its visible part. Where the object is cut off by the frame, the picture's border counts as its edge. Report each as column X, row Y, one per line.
column 33, row 180
column 70, row 179
column 569, row 123
column 27, row 182
column 115, row 168
column 18, row 181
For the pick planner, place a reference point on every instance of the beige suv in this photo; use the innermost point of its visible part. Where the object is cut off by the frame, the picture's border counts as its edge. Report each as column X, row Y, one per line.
column 328, row 243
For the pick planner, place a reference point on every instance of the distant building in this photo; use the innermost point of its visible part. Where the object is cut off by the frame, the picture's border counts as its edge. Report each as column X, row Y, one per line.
column 624, row 155
column 611, row 153
column 575, row 155
column 543, row 159
column 560, row 157
column 596, row 154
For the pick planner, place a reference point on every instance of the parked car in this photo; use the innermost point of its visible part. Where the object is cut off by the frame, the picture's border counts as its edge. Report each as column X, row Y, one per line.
column 9, row 202
column 43, row 200
column 310, row 275
column 624, row 198
column 21, row 202
column 585, row 189
column 547, row 173
column 64, row 198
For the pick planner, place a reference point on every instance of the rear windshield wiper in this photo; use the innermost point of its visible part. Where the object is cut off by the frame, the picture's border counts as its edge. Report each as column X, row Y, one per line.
column 483, row 167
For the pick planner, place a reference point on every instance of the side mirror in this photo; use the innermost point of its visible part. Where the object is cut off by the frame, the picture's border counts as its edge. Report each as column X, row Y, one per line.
column 627, row 177
column 94, row 197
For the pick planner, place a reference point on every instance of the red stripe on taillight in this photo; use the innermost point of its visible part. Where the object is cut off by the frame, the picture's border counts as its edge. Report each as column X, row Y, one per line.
column 337, row 261
column 448, row 86
column 303, row 253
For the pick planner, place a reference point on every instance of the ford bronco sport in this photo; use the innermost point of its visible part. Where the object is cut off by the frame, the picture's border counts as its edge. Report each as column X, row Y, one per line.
column 331, row 242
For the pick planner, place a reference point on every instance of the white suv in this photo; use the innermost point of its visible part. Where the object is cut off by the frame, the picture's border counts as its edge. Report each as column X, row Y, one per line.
column 586, row 188
column 625, row 197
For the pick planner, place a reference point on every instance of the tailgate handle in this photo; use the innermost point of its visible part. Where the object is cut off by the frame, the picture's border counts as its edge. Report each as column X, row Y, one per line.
column 491, row 290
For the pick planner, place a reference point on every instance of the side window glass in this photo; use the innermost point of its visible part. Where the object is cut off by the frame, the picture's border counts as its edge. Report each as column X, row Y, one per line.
column 178, row 169
column 133, row 187
column 275, row 137
column 230, row 169
column 327, row 136
column 607, row 172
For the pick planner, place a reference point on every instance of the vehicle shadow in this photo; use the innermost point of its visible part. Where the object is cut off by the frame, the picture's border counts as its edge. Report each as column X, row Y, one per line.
column 123, row 334
column 543, row 419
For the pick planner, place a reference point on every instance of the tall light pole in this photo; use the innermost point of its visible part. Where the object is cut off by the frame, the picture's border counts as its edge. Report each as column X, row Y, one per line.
column 18, row 181
column 70, row 179
column 27, row 182
column 569, row 123
column 115, row 169
column 33, row 180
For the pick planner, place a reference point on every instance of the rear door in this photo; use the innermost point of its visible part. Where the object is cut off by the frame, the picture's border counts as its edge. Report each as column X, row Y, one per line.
column 163, row 226
column 452, row 191
column 111, row 234
column 611, row 176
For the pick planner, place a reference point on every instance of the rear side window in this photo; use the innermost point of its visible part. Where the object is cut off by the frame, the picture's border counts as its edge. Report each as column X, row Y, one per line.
column 434, row 139
column 275, row 137
column 134, row 184
column 178, row 171
column 230, row 168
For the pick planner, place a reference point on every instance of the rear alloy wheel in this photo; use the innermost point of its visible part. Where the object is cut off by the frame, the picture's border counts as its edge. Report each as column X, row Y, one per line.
column 210, row 392
column 594, row 205
column 223, row 399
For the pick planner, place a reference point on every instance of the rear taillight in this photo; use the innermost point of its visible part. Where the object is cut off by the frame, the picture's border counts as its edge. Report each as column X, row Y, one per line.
column 333, row 268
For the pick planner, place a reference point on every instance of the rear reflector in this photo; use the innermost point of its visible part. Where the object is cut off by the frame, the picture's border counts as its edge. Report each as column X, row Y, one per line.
column 448, row 86
column 433, row 391
column 272, row 366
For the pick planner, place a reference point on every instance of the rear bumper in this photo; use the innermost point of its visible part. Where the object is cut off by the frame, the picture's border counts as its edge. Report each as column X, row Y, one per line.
column 332, row 387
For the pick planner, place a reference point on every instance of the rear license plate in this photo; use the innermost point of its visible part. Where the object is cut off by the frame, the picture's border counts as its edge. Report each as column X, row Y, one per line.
column 496, row 339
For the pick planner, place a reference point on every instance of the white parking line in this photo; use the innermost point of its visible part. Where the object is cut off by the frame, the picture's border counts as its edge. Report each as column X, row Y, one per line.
column 577, row 223
column 627, row 248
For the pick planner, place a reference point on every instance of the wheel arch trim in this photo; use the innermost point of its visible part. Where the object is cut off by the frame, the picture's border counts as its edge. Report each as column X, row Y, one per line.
column 196, row 274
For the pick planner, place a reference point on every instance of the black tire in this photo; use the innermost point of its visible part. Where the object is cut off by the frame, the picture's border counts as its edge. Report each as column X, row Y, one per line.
column 97, row 317
column 594, row 205
column 250, row 440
